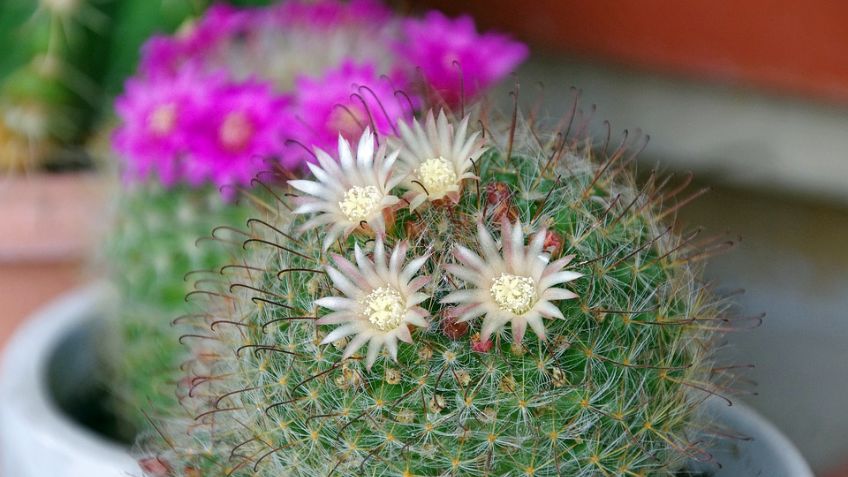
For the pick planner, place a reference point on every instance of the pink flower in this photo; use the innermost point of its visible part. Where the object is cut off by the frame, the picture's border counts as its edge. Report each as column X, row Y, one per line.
column 345, row 101
column 167, row 54
column 156, row 118
column 452, row 56
column 200, row 129
column 238, row 134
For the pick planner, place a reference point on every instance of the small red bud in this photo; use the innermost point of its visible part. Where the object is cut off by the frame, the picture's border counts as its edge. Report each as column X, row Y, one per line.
column 154, row 466
column 553, row 243
column 450, row 327
column 481, row 346
column 499, row 201
column 497, row 193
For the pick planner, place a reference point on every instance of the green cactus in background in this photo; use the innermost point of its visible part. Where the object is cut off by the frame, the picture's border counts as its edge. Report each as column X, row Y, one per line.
column 150, row 251
column 69, row 58
column 47, row 91
column 404, row 352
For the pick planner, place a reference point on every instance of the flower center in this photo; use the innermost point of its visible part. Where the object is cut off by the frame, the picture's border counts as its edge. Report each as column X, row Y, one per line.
column 360, row 203
column 235, row 132
column 384, row 308
column 163, row 119
column 513, row 293
column 436, row 175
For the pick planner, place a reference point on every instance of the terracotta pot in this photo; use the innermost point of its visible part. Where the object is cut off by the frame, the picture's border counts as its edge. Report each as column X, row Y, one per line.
column 47, row 223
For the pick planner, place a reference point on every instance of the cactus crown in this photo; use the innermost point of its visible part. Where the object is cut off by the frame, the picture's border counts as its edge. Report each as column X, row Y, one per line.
column 398, row 346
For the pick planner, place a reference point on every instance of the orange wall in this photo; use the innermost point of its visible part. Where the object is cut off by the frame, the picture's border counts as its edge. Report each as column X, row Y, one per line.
column 795, row 46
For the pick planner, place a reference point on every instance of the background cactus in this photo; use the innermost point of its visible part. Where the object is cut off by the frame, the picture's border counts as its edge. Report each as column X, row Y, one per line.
column 70, row 58
column 150, row 249
column 614, row 390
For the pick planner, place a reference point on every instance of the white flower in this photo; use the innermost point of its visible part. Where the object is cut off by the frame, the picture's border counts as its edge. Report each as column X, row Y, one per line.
column 517, row 285
column 380, row 300
column 436, row 158
column 350, row 193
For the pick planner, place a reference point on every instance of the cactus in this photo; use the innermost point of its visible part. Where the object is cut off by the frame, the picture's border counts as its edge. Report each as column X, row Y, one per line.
column 69, row 59
column 473, row 297
column 151, row 247
column 37, row 78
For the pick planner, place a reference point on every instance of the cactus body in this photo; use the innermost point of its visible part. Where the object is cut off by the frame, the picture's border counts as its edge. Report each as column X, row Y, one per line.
column 612, row 389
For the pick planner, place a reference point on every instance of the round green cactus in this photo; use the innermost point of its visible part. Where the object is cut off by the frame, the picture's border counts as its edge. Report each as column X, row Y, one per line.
column 471, row 298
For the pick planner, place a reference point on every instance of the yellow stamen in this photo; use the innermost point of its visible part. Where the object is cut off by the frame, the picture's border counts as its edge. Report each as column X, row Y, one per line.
column 360, row 203
column 512, row 293
column 384, row 308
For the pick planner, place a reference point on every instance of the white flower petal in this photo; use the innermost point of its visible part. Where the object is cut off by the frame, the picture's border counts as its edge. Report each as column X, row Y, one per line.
column 336, row 317
column 339, row 333
column 535, row 322
column 336, row 303
column 469, row 258
column 373, row 351
column 311, row 188
column 459, row 296
column 341, row 282
column 355, row 343
column 412, row 268
column 345, row 155
column 365, row 151
column 519, row 327
column 559, row 277
column 548, row 309
column 491, row 324
column 391, row 346
column 404, row 335
column 555, row 294
column 461, row 272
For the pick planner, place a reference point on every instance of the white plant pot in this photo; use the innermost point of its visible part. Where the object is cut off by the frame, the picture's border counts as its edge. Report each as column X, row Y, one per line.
column 766, row 452
column 38, row 439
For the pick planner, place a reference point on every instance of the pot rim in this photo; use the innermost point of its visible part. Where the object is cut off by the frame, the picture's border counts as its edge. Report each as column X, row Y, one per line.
column 741, row 417
column 25, row 401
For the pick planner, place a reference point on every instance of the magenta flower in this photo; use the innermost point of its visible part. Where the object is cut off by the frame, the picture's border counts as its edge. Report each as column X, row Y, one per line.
column 345, row 101
column 218, row 101
column 453, row 57
column 156, row 118
column 167, row 54
column 238, row 134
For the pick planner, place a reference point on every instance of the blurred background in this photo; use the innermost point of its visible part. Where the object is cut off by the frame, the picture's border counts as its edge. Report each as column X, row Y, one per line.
column 750, row 96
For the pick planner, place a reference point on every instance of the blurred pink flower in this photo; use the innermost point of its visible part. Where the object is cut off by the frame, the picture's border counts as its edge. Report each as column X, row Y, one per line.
column 167, row 54
column 200, row 129
column 156, row 118
column 345, row 101
column 452, row 56
column 218, row 100
column 238, row 134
